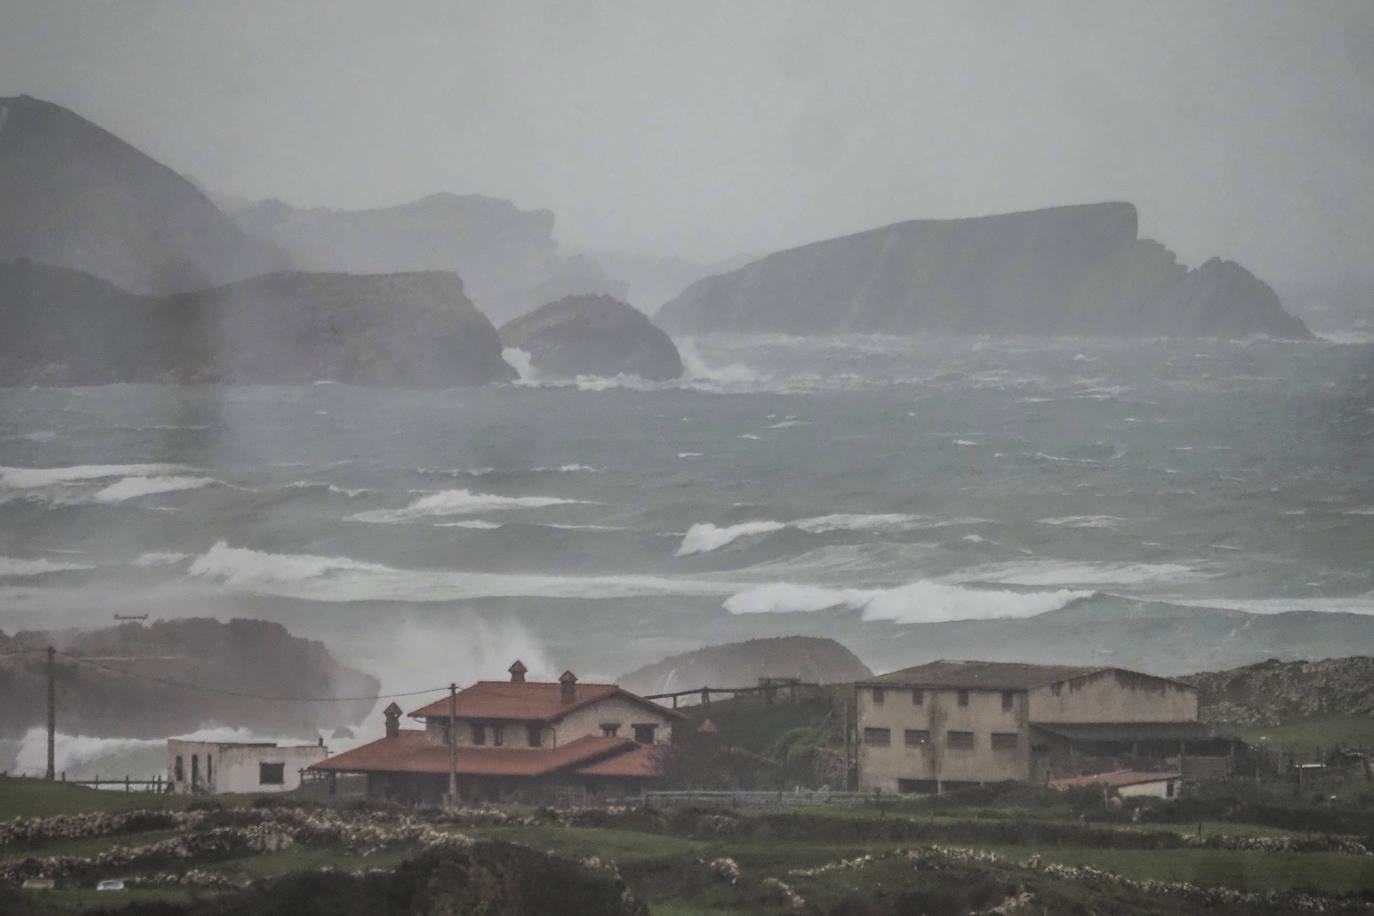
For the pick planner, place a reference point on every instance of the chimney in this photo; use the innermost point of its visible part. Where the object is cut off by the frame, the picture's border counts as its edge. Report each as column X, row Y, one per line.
column 393, row 720
column 517, row 672
column 569, row 682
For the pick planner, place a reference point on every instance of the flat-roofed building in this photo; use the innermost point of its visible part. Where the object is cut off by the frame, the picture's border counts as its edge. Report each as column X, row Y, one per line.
column 959, row 722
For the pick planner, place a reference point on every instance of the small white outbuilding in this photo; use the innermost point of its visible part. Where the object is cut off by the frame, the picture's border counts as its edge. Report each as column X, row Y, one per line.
column 215, row 767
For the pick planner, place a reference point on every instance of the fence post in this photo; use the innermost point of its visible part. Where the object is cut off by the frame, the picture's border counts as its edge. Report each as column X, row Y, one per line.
column 126, row 782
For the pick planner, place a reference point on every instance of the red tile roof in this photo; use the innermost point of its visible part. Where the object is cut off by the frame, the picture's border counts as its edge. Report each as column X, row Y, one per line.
column 531, row 701
column 411, row 752
column 1114, row 779
column 644, row 760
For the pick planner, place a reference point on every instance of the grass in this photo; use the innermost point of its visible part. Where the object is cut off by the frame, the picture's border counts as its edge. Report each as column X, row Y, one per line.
column 23, row 797
column 1307, row 736
column 80, row 900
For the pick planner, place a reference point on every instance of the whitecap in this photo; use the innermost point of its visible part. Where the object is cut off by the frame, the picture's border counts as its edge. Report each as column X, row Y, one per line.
column 11, row 566
column 475, row 523
column 788, row 423
column 135, row 487
column 705, row 537
column 916, row 602
column 1066, row 573
column 33, row 478
column 460, row 502
column 161, row 559
column 1083, row 521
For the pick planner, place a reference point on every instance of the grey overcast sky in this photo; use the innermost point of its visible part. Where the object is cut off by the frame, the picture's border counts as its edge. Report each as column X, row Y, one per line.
column 706, row 128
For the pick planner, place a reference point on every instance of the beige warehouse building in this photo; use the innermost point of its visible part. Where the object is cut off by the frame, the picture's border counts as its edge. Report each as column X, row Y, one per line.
column 950, row 723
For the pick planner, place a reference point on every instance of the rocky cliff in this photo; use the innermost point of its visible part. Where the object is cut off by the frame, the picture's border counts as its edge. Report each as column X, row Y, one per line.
column 593, row 335
column 1067, row 271
column 507, row 257
column 741, row 664
column 122, row 691
column 75, row 195
column 1273, row 691
column 62, row 327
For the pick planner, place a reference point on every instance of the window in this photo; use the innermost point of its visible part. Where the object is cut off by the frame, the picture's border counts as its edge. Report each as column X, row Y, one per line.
column 610, row 729
column 963, row 698
column 479, row 733
column 1169, row 788
column 209, row 770
column 536, row 735
column 1008, row 699
column 918, row 697
column 961, row 741
column 644, row 734
column 498, row 735
column 271, row 774
column 1005, row 741
column 195, row 769
column 917, row 737
column 877, row 696
column 877, row 737
column 447, row 729
column 179, row 770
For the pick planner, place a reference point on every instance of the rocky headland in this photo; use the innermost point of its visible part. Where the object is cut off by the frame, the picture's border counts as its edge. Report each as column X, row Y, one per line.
column 141, row 681
column 508, row 257
column 417, row 330
column 593, row 335
column 741, row 664
column 74, row 195
column 1065, row 271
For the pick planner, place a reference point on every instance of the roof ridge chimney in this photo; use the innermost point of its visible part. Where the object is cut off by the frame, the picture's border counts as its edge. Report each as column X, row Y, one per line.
column 517, row 672
column 569, row 682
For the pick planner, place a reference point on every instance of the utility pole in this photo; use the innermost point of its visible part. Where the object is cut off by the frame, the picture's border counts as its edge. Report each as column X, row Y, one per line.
column 52, row 711
column 452, row 744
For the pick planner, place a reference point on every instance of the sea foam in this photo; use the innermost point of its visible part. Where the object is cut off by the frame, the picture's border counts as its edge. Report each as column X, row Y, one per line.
column 33, row 478
column 705, row 537
column 135, row 487
column 9, row 566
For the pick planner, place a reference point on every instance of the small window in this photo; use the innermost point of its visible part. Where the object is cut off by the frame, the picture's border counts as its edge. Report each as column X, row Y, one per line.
column 1008, row 699
column 1169, row 788
column 498, row 735
column 918, row 697
column 877, row 696
column 271, row 774
column 610, row 729
column 917, row 737
column 447, row 729
column 962, row 741
column 963, row 698
column 209, row 770
column 1005, row 741
column 479, row 733
column 179, row 769
column 878, row 737
column 195, row 769
column 536, row 735
column 644, row 734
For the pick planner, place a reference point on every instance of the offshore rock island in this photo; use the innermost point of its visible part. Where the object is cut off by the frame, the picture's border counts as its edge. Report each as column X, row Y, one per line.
column 1065, row 271
column 593, row 335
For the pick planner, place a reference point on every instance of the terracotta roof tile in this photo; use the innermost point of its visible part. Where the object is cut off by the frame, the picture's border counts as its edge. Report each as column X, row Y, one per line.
column 644, row 760
column 532, row 701
column 411, row 752
column 1114, row 779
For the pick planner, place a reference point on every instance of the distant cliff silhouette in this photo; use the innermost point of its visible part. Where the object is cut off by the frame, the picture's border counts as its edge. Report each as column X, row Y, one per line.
column 75, row 195
column 507, row 257
column 1066, row 271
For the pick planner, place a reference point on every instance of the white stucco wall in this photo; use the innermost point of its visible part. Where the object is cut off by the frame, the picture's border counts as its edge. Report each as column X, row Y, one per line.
column 236, row 767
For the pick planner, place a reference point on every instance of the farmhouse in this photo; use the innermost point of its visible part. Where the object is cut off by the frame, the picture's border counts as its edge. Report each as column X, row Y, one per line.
column 951, row 723
column 504, row 737
column 237, row 766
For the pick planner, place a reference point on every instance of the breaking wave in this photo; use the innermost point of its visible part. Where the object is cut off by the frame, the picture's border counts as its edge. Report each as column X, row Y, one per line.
column 135, row 487
column 1054, row 572
column 460, row 502
column 340, row 579
column 34, row 478
column 916, row 602
column 9, row 566
column 705, row 537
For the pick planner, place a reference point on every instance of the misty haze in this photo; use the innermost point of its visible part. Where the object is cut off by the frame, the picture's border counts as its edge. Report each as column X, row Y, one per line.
column 481, row 423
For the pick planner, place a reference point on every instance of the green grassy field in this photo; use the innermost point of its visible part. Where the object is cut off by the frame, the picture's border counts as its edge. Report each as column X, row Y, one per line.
column 667, row 858
column 1312, row 735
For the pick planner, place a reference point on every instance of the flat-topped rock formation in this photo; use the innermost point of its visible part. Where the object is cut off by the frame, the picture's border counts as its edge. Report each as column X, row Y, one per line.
column 593, row 335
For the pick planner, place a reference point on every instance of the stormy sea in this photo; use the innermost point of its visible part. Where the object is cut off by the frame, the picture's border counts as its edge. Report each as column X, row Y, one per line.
column 852, row 488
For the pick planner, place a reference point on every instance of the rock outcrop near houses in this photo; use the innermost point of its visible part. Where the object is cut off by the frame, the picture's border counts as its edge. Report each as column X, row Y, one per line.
column 117, row 697
column 593, row 335
column 1066, row 271
column 62, row 327
column 75, row 195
